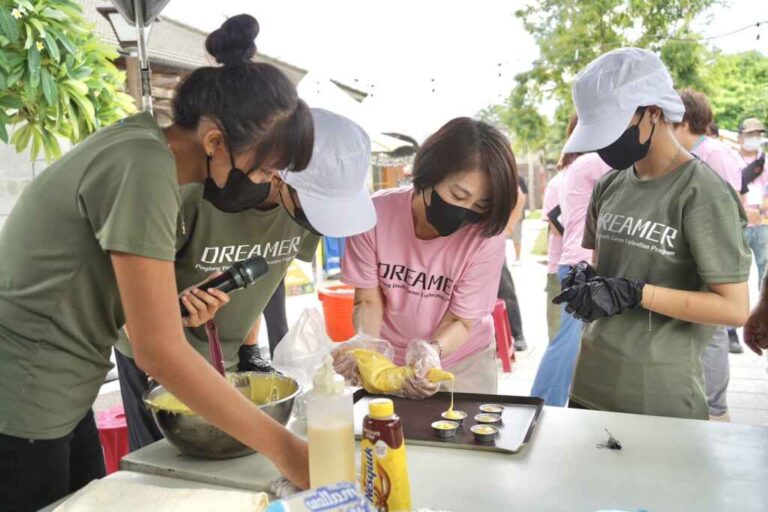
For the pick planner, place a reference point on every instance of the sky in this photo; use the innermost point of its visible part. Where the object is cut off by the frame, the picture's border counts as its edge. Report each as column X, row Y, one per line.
column 423, row 62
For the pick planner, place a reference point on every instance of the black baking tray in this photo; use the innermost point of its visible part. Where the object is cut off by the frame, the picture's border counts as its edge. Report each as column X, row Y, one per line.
column 518, row 420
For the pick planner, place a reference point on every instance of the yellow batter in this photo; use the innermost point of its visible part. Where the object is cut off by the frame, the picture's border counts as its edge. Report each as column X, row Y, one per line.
column 483, row 430
column 379, row 375
column 454, row 415
column 257, row 389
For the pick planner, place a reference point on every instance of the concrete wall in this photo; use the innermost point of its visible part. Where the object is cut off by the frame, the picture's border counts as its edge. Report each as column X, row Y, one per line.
column 17, row 170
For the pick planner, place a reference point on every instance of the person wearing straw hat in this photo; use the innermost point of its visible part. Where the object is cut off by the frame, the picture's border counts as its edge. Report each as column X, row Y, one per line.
column 670, row 257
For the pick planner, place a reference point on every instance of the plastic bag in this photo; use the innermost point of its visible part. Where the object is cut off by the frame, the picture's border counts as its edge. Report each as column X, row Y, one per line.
column 366, row 342
column 306, row 345
column 303, row 349
column 367, row 362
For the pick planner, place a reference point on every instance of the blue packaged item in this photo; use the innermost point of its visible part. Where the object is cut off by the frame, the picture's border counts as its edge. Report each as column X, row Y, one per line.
column 341, row 497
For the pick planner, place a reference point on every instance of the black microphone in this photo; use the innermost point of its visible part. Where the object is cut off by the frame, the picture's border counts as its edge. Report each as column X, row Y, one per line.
column 240, row 275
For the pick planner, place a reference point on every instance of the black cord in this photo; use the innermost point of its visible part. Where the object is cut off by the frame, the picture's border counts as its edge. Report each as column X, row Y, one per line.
column 709, row 38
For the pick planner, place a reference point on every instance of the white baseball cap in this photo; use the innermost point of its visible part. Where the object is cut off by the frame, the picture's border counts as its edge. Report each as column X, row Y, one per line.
column 611, row 88
column 332, row 188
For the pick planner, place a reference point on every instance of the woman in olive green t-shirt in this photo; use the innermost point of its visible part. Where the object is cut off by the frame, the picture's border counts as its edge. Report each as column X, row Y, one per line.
column 668, row 236
column 90, row 247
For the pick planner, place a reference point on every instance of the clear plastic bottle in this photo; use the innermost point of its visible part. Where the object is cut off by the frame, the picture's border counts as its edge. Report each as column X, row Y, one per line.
column 330, row 426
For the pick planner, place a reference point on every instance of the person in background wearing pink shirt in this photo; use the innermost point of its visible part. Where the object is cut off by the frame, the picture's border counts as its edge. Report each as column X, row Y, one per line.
column 553, row 212
column 554, row 217
column 691, row 133
column 751, row 133
column 718, row 160
column 555, row 374
column 426, row 276
column 755, row 176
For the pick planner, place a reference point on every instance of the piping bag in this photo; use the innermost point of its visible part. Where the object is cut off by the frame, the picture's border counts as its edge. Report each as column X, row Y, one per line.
column 214, row 346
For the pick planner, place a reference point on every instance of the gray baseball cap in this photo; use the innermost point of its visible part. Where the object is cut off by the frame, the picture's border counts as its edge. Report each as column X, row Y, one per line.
column 611, row 88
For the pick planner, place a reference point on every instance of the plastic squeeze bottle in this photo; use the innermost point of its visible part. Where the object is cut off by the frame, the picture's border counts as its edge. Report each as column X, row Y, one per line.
column 330, row 426
column 384, row 472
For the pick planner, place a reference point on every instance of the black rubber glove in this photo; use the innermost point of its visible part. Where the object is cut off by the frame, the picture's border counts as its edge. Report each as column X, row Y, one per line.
column 580, row 273
column 250, row 360
column 601, row 297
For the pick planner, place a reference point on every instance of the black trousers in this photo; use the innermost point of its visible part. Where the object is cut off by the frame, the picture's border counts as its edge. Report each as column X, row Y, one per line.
column 508, row 294
column 142, row 430
column 36, row 473
column 275, row 318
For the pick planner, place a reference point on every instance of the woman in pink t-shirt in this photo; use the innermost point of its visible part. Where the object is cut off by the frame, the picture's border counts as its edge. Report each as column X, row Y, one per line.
column 426, row 276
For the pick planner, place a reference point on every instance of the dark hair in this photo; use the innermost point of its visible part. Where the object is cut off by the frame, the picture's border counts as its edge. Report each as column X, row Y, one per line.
column 713, row 129
column 698, row 113
column 254, row 103
column 567, row 159
column 465, row 144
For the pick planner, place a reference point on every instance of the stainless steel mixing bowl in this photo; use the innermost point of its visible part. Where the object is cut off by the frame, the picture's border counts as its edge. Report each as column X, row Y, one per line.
column 192, row 435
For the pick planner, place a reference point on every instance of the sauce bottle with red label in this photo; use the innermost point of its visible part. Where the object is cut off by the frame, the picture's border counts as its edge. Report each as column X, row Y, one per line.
column 384, row 472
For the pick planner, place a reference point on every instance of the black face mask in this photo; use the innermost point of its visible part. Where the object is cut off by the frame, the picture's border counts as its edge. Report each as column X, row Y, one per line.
column 238, row 194
column 627, row 150
column 447, row 218
column 299, row 217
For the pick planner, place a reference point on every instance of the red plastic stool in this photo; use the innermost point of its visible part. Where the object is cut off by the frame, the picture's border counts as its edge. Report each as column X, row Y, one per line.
column 113, row 433
column 504, row 343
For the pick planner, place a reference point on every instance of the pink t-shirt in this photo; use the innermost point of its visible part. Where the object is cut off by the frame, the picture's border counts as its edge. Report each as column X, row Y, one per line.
column 758, row 189
column 422, row 280
column 555, row 245
column 721, row 159
column 579, row 179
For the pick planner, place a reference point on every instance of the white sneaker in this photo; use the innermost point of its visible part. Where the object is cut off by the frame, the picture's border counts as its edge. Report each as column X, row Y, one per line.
column 723, row 418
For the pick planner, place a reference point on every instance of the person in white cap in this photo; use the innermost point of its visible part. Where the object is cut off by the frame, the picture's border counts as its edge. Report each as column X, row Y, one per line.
column 671, row 259
column 330, row 197
column 426, row 276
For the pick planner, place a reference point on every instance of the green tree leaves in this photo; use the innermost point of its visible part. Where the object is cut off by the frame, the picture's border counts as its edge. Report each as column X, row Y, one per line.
column 738, row 87
column 571, row 33
column 57, row 79
column 8, row 25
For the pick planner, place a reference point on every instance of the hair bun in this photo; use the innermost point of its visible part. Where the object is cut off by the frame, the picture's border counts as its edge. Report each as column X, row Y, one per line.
column 233, row 42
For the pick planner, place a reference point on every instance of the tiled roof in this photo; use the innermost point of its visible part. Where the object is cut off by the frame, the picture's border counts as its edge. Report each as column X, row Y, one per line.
column 178, row 45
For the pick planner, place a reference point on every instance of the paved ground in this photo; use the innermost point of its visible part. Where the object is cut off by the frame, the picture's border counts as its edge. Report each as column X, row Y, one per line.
column 748, row 391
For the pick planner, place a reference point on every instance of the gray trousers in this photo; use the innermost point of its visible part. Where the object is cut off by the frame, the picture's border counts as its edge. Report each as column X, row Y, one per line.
column 717, row 372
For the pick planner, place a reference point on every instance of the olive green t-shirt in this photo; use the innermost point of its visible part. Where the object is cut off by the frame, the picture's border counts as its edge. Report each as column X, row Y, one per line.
column 683, row 231
column 60, row 309
column 213, row 241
